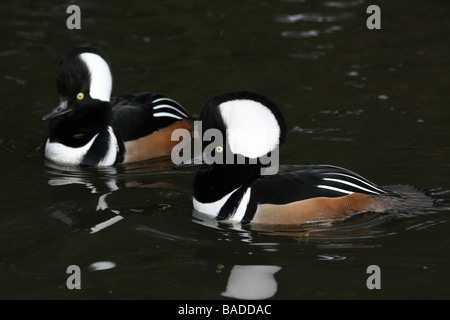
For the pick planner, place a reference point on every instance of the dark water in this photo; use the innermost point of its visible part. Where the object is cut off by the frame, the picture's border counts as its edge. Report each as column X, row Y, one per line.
column 374, row 101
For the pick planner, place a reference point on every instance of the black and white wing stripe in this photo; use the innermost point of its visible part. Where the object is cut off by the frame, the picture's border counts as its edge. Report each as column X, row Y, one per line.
column 168, row 108
column 347, row 182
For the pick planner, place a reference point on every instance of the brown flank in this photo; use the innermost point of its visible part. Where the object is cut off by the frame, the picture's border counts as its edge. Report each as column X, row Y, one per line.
column 157, row 144
column 316, row 209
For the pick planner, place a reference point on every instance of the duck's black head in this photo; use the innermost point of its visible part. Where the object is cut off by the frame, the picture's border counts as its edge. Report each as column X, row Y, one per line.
column 241, row 133
column 83, row 78
column 239, row 127
column 251, row 124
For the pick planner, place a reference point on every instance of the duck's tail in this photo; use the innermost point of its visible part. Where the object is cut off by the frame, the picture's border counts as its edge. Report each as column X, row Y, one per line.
column 414, row 201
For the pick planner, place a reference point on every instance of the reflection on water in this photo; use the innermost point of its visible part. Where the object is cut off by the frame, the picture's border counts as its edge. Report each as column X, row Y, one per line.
column 252, row 282
column 60, row 176
column 314, row 17
column 101, row 183
column 105, row 224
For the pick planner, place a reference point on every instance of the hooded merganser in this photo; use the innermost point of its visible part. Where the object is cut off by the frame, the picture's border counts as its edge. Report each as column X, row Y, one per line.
column 90, row 128
column 253, row 126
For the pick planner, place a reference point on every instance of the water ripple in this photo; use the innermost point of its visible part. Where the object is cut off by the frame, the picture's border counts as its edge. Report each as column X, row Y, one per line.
column 314, row 17
column 342, row 5
column 330, row 257
column 102, row 265
column 300, row 34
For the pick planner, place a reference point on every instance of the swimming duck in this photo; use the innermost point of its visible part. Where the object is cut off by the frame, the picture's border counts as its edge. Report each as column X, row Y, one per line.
column 233, row 188
column 89, row 128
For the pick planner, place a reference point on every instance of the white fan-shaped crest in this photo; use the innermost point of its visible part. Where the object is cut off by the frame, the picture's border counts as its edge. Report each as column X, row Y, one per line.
column 252, row 129
column 101, row 78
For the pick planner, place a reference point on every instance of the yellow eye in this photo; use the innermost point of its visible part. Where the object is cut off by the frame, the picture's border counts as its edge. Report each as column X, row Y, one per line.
column 219, row 149
column 80, row 96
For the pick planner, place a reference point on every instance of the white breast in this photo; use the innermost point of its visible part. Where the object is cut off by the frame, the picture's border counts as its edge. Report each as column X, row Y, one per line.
column 66, row 155
column 213, row 208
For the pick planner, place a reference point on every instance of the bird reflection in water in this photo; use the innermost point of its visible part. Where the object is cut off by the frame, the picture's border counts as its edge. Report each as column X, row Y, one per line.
column 70, row 203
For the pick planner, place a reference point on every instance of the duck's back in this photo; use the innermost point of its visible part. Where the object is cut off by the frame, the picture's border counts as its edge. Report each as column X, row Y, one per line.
column 300, row 182
column 141, row 114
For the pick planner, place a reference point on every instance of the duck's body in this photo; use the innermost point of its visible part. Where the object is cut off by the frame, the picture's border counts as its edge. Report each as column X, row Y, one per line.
column 90, row 128
column 295, row 194
column 145, row 122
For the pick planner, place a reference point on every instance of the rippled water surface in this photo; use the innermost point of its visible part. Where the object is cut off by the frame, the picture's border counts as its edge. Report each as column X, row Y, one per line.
column 374, row 101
